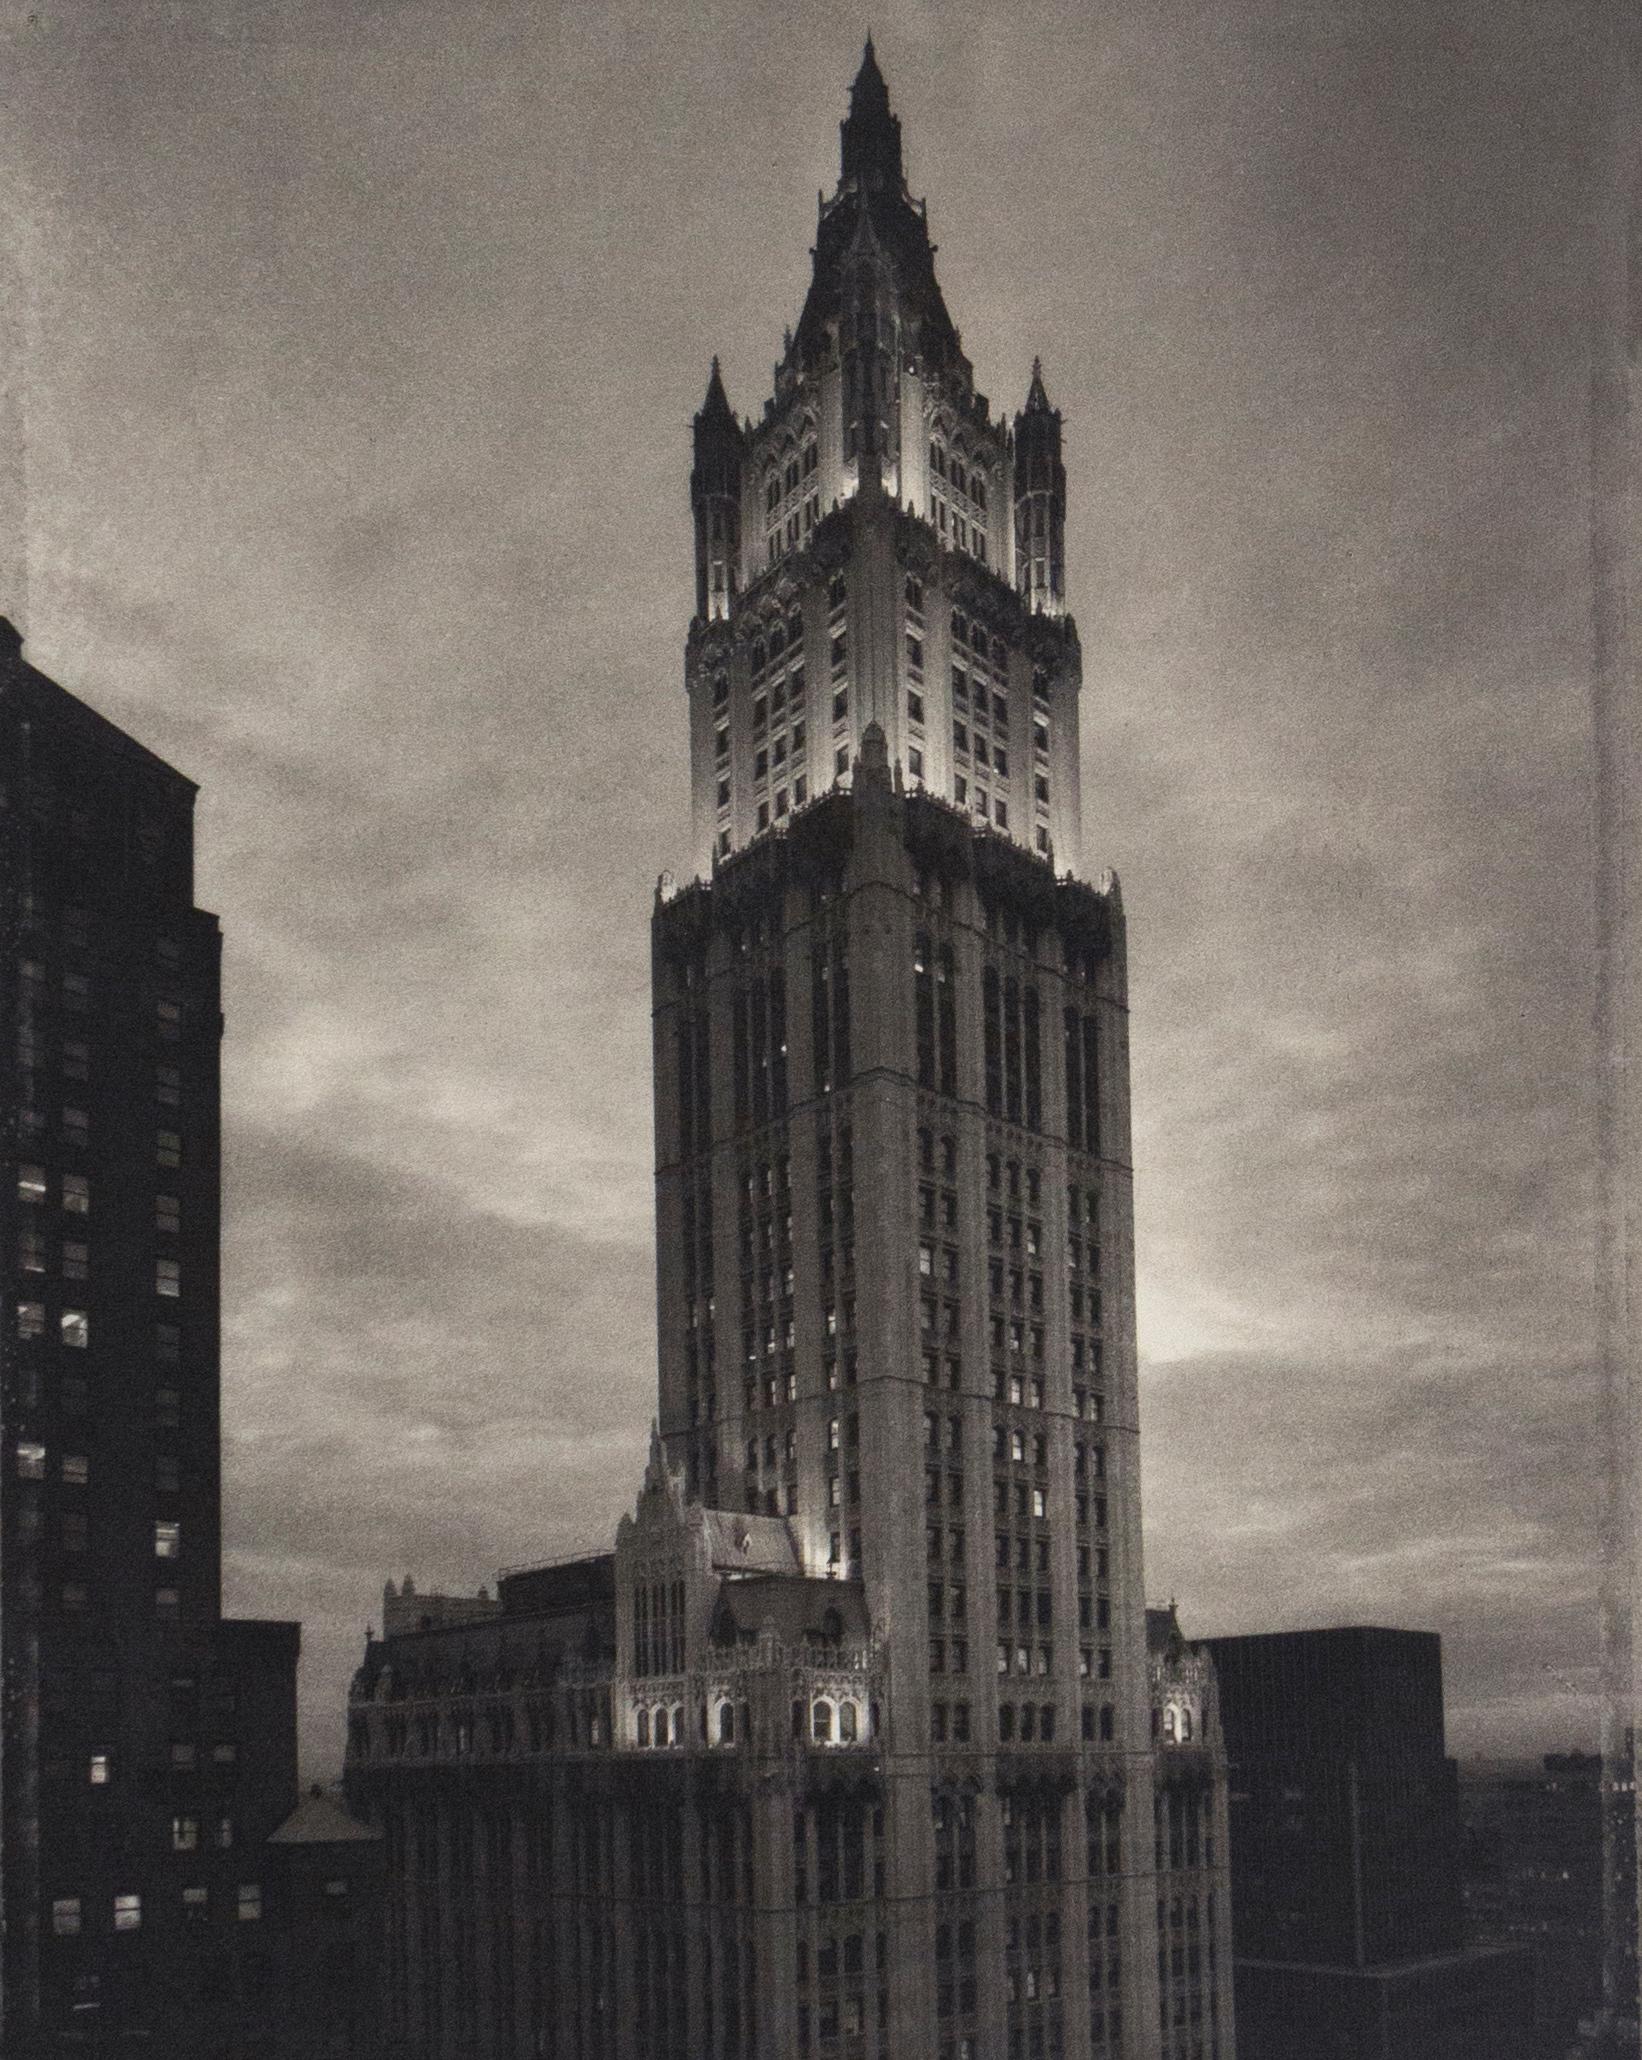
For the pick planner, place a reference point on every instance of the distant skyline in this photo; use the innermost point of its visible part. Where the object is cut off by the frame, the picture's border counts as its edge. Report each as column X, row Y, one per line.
column 358, row 352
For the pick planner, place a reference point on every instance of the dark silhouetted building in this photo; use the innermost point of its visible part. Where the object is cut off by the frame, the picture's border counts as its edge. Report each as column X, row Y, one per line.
column 849, row 1747
column 1533, row 1877
column 1345, row 1850
column 147, row 1744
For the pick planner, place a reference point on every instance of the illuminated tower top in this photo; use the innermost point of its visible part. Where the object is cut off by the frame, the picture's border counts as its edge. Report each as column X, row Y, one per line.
column 876, row 547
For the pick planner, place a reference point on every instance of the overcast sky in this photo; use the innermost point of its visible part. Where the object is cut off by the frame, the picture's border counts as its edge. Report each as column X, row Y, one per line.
column 359, row 356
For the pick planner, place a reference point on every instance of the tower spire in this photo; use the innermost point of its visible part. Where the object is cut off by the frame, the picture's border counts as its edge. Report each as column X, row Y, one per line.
column 870, row 135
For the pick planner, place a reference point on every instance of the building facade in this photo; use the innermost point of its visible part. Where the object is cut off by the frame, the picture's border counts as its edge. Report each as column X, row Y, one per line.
column 1346, row 1857
column 856, row 1744
column 147, row 1743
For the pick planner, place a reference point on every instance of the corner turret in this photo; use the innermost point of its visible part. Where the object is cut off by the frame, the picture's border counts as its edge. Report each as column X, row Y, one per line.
column 1040, row 502
column 715, row 502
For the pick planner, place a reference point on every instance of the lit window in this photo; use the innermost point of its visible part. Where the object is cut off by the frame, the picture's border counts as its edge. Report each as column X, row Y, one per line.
column 224, row 1834
column 183, row 1755
column 167, row 1148
column 76, row 1469
column 168, row 1018
column 76, row 1259
column 339, row 1887
column 97, row 1770
column 74, row 1326
column 224, row 1753
column 31, row 1183
column 31, row 1462
column 250, row 1901
column 128, row 1912
column 167, row 1540
column 167, row 1214
column 195, row 1900
column 168, row 1277
column 185, row 1834
column 76, row 1128
column 76, row 1194
column 65, row 1916
column 168, row 1086
column 31, row 1251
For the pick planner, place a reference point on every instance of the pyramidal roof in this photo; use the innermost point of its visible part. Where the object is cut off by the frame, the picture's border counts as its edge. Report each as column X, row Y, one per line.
column 317, row 1820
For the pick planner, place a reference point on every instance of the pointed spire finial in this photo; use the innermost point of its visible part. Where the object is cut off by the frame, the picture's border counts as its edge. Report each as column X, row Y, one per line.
column 717, row 402
column 871, row 134
column 1037, row 398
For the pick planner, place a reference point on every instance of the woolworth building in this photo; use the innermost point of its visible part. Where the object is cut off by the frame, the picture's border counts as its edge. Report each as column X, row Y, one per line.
column 861, row 1741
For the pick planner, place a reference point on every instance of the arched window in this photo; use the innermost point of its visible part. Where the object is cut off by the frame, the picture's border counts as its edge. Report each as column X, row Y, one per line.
column 661, row 1727
column 821, row 1723
column 726, row 1723
column 847, row 1723
column 1169, row 1723
column 678, row 1723
column 644, row 1727
column 1185, row 1725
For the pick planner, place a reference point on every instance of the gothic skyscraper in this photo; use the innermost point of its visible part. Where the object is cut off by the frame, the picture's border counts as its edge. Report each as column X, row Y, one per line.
column 861, row 1742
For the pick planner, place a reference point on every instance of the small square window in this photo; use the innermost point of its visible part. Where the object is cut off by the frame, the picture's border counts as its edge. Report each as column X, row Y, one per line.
column 224, row 1753
column 183, row 1755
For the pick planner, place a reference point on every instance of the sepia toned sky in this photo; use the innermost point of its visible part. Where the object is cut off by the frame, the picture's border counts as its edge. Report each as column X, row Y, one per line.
column 357, row 355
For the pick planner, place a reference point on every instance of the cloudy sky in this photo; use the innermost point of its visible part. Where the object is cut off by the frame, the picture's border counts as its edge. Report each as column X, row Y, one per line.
column 359, row 350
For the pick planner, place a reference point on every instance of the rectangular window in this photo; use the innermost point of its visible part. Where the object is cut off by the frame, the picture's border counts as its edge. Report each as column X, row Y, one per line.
column 76, row 991
column 97, row 1770
column 195, row 1900
column 76, row 1060
column 76, row 1470
column 167, row 1540
column 185, row 1834
column 65, row 1916
column 168, row 1086
column 183, row 1755
column 31, row 1184
column 76, row 1129
column 168, row 1277
column 168, row 1019
column 167, row 1408
column 76, row 1194
column 168, row 1214
column 128, row 1912
column 31, row 1462
column 915, row 707
column 167, row 1605
column 74, row 1325
column 167, row 1148
column 167, row 1475
column 76, row 1259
